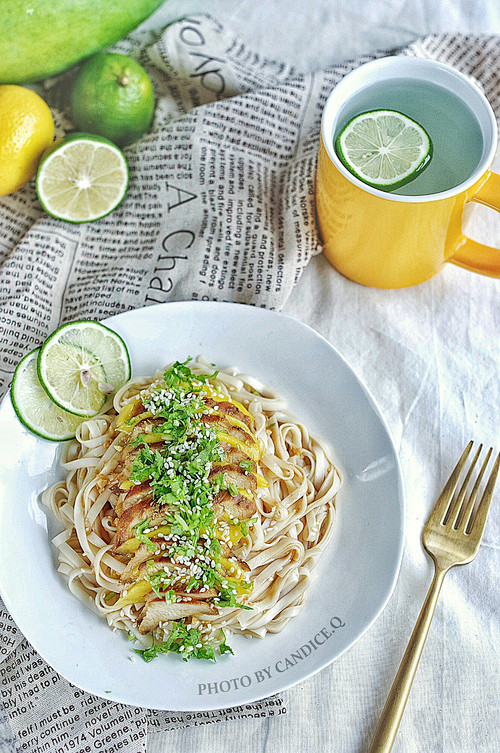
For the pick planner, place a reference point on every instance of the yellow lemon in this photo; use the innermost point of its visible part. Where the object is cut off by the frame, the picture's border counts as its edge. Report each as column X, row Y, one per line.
column 26, row 130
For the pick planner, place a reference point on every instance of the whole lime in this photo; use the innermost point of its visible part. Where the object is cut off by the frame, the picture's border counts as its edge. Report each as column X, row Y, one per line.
column 113, row 97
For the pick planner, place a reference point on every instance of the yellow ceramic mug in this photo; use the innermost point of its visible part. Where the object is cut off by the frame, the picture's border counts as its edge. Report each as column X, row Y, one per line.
column 391, row 241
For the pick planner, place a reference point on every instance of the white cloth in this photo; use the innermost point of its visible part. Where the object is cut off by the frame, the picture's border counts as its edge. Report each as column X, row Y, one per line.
column 430, row 356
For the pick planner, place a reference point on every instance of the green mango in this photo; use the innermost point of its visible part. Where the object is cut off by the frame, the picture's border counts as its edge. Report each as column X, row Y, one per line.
column 40, row 38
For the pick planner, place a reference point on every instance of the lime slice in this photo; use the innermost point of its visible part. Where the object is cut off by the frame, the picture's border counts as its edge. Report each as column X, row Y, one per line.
column 81, row 365
column 34, row 407
column 82, row 178
column 384, row 148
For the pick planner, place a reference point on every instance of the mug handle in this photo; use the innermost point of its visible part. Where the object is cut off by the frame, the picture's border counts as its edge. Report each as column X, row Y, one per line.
column 473, row 255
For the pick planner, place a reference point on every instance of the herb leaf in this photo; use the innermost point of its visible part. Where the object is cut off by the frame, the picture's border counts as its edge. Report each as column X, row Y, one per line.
column 186, row 642
column 247, row 465
column 223, row 647
column 175, row 457
column 139, row 528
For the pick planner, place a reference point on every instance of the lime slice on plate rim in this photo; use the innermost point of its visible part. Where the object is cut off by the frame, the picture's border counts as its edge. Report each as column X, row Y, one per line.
column 34, row 408
column 384, row 148
column 81, row 365
column 82, row 178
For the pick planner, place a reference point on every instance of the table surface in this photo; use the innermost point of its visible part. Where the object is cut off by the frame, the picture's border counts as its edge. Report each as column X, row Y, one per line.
column 430, row 356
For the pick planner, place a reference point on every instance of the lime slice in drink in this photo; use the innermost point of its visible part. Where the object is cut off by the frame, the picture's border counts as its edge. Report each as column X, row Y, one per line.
column 34, row 407
column 384, row 148
column 81, row 365
column 82, row 178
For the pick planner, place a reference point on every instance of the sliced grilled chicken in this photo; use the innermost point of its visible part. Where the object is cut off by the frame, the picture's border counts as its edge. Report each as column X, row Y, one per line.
column 141, row 492
column 181, row 574
column 234, row 475
column 123, row 469
column 159, row 611
column 134, row 515
column 220, row 422
column 138, row 493
column 239, row 507
column 153, row 566
column 146, row 426
column 137, row 408
column 226, row 506
column 229, row 410
column 134, row 505
column 197, row 595
column 133, row 569
column 232, row 455
column 142, row 554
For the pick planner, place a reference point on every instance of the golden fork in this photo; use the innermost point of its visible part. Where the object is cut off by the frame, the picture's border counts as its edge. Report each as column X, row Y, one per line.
column 451, row 536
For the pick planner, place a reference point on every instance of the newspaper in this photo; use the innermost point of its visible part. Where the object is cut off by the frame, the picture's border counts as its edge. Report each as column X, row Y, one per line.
column 46, row 713
column 220, row 207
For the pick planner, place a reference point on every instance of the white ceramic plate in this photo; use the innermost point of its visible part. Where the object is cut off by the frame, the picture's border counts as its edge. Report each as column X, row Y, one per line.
column 357, row 573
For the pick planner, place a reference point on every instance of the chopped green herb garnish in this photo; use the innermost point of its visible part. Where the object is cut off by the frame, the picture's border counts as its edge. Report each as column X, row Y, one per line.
column 223, row 647
column 186, row 642
column 160, row 581
column 215, row 548
column 247, row 465
column 228, row 599
column 218, row 481
column 180, row 373
column 244, row 525
column 139, row 528
column 148, row 464
column 175, row 456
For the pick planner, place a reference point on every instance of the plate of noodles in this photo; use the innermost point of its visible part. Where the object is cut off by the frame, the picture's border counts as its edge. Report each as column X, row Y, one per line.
column 232, row 524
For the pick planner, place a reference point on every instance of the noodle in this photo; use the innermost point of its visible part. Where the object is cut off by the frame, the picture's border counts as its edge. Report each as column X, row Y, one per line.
column 294, row 521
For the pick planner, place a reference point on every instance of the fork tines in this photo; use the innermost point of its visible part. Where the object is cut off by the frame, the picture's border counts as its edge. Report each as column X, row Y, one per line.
column 457, row 511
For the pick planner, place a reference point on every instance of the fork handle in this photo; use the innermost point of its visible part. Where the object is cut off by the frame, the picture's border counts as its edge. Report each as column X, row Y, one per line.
column 387, row 727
